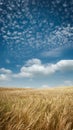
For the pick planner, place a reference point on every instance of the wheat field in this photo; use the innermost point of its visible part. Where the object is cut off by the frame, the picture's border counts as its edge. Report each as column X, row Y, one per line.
column 36, row 109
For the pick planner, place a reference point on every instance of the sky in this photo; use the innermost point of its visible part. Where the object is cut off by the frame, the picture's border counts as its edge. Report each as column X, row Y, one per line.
column 36, row 43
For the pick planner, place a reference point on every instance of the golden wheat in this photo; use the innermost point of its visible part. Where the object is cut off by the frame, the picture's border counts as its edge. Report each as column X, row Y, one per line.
column 36, row 109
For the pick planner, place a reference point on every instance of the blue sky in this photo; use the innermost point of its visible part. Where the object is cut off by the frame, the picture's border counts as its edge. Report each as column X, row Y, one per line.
column 36, row 43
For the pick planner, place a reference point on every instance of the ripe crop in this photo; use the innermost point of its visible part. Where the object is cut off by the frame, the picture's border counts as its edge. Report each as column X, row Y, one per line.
column 36, row 109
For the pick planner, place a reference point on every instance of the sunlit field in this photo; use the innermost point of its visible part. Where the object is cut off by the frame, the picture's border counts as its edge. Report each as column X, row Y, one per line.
column 36, row 109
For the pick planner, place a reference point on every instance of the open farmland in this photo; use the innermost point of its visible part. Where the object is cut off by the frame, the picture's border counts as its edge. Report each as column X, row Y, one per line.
column 36, row 109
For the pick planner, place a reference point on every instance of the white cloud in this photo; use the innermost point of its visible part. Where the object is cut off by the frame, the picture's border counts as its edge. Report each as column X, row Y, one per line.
column 65, row 65
column 5, row 71
column 3, row 77
column 35, row 67
column 5, row 74
column 33, row 61
column 22, row 74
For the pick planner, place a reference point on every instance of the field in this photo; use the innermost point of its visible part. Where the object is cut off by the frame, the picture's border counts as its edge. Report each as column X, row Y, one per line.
column 36, row 109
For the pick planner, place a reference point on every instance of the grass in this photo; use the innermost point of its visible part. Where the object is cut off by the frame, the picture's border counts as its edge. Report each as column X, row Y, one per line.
column 36, row 109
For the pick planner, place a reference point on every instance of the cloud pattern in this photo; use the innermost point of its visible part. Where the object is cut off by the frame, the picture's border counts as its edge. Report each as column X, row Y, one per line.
column 27, row 25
